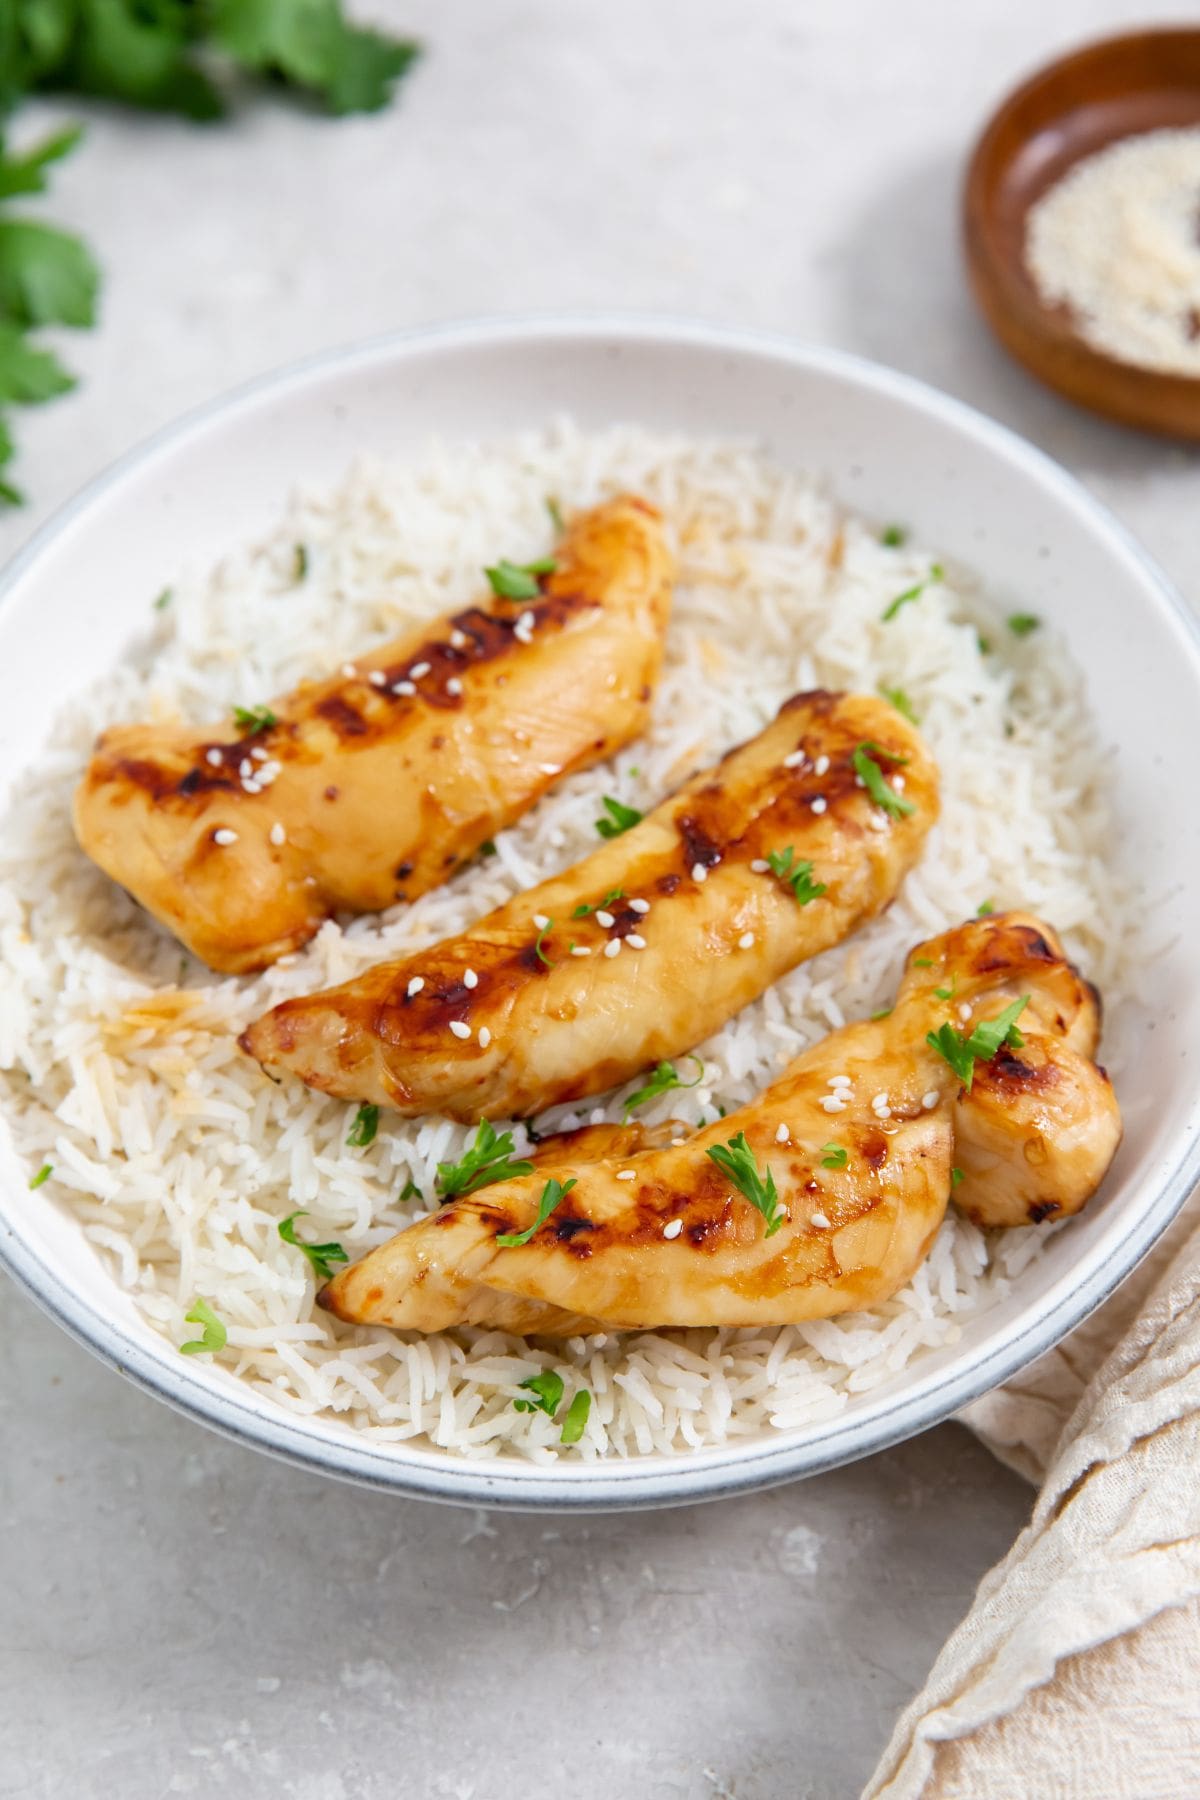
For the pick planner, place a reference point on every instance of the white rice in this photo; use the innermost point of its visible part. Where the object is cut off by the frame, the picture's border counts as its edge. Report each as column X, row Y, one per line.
column 179, row 1158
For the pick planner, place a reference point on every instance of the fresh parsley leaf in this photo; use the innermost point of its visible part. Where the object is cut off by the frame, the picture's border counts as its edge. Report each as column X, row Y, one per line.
column 620, row 817
column 893, row 536
column 610, row 899
column 214, row 1335
column 299, row 563
column 1021, row 624
column 28, row 375
column 737, row 1160
column 164, row 600
column 576, row 1420
column 896, row 696
column 948, row 993
column 956, row 1175
column 985, row 644
column 872, row 779
column 936, row 573
column 321, row 1256
column 43, row 1175
column 953, row 1050
column 542, row 935
column 547, row 1389
column 884, row 1012
column 518, row 581
column 25, row 174
column 410, row 1191
column 254, row 718
column 47, row 277
column 552, row 1193
column 487, row 848
column 962, row 1052
column 796, row 875
column 985, row 909
column 834, row 1156
column 664, row 1078
column 488, row 1159
column 366, row 1124
column 922, row 962
column 555, row 512
column 314, row 47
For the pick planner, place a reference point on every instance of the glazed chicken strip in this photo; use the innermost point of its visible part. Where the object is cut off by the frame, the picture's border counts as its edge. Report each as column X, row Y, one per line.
column 647, row 946
column 374, row 785
column 854, row 1150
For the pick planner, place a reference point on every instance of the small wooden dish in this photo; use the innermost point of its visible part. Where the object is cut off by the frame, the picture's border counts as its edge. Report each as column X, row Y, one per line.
column 1139, row 82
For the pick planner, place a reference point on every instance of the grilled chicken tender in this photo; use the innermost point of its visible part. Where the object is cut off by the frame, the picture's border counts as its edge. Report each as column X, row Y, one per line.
column 645, row 947
column 373, row 786
column 654, row 1237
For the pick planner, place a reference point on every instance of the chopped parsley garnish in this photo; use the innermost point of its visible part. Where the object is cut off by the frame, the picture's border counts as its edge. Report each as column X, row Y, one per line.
column 321, row 1256
column 834, row 1156
column 620, row 817
column 884, row 1012
column 796, row 875
column 881, row 793
column 892, row 536
column 518, row 581
column 555, row 512
column 610, row 899
column 488, row 1159
column 552, row 1193
column 541, row 938
column 547, row 1390
column 922, row 962
column 664, row 1078
column 164, row 600
column 43, row 1175
column 948, row 993
column 985, row 644
column 488, row 847
column 962, row 1052
column 366, row 1124
column 956, row 1175
column 737, row 1160
column 213, row 1336
column 896, row 696
column 410, row 1191
column 299, row 562
column 576, row 1420
column 253, row 718
column 1021, row 624
column 936, row 573
column 985, row 909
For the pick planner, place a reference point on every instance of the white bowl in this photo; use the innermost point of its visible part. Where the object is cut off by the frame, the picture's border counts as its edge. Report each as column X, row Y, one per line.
column 889, row 446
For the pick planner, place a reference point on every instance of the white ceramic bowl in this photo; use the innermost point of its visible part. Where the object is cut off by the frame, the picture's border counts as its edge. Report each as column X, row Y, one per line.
column 889, row 446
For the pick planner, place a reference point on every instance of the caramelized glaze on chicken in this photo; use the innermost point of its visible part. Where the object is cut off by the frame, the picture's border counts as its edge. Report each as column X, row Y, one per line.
column 568, row 990
column 371, row 787
column 861, row 1137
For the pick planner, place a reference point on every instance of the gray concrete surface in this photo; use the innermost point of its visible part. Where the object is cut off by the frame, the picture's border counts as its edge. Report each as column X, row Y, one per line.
column 179, row 1616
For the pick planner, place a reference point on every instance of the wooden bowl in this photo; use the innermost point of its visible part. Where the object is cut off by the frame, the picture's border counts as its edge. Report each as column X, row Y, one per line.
column 1139, row 82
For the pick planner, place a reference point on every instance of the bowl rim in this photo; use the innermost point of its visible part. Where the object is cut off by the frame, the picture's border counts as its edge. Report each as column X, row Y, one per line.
column 247, row 1417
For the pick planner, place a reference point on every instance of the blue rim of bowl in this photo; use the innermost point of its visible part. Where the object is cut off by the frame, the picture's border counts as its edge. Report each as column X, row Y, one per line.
column 722, row 1470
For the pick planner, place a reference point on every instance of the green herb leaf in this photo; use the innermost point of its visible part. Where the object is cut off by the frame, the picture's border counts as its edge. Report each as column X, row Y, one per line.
column 884, row 1012
column 576, row 1420
column 610, row 899
column 25, row 174
column 366, row 1124
column 488, row 1159
column 1021, row 624
column 985, row 644
column 962, row 1052
column 893, row 536
column 956, row 1175
column 28, row 375
column 547, row 1389
column 552, row 1193
column 737, row 1160
column 664, row 1078
column 948, row 993
column 896, row 696
column 620, row 817
column 922, row 962
column 541, row 938
column 410, row 1191
column 312, row 46
column 322, row 1256
column 518, row 581
column 555, row 511
column 47, row 277
column 488, row 847
column 985, row 909
column 936, row 573
column 43, row 1175
column 299, row 563
column 164, row 600
column 254, row 718
column 834, row 1156
column 214, row 1334
column 796, row 875
column 872, row 779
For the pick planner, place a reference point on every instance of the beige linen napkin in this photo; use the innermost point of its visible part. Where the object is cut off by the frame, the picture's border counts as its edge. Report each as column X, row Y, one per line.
column 1077, row 1671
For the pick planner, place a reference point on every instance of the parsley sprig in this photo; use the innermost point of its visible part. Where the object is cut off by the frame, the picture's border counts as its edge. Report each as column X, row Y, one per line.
column 323, row 1257
column 552, row 1194
column 796, row 875
column 366, row 1124
column 936, row 573
column 254, row 718
column 620, row 817
column 610, row 899
column 834, row 1156
column 881, row 792
column 43, row 1175
column 213, row 1334
column 665, row 1077
column 1021, row 624
column 575, row 1423
column 737, row 1160
column 488, row 1159
column 963, row 1050
column 547, row 1390
column 519, row 581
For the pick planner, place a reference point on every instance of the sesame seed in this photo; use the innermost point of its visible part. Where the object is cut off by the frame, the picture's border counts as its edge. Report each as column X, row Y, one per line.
column 673, row 1228
column 699, row 872
column 454, row 685
column 746, row 941
column 213, row 757
column 635, row 941
column 606, row 919
column 821, row 765
column 550, row 768
column 460, row 1029
column 277, row 834
column 612, row 947
column 418, row 671
column 459, row 639
column 842, row 1081
column 883, row 1112
column 879, row 1099
column 859, row 782
column 523, row 634
column 403, row 687
column 377, row 678
column 470, row 978
column 782, row 1134
column 626, row 1174
column 795, row 760
column 541, row 921
column 819, row 804
column 526, row 621
column 224, row 836
column 929, row 1100
column 964, row 1012
column 415, row 985
column 898, row 783
column 678, row 1143
column 833, row 1103
column 639, row 906
column 580, row 950
column 245, row 767
column 258, row 754
column 252, row 787
column 877, row 821
column 760, row 865
column 349, row 671
column 485, row 1037
column 820, row 1221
